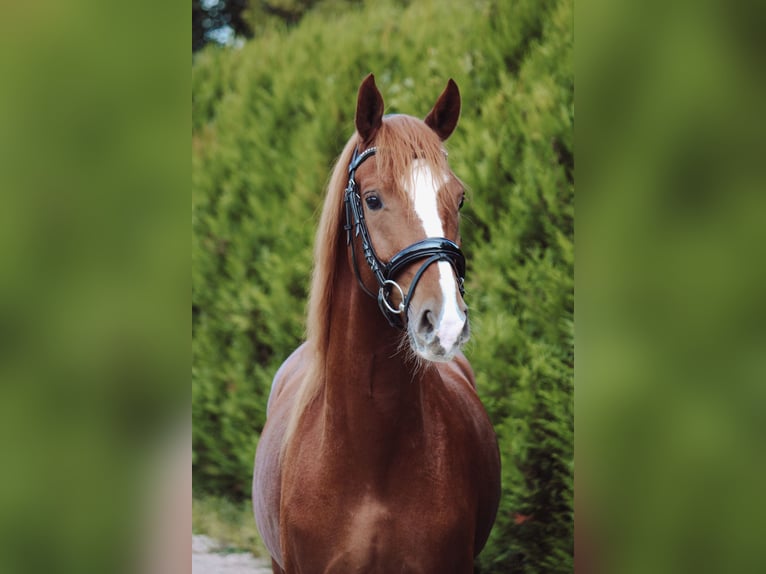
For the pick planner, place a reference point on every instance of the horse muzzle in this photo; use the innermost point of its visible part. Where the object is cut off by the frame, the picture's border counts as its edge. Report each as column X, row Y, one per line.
column 439, row 327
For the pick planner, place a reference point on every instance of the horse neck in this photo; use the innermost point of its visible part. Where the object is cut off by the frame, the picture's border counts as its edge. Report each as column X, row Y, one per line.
column 372, row 388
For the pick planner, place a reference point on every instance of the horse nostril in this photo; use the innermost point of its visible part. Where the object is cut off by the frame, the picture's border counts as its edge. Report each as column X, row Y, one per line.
column 426, row 326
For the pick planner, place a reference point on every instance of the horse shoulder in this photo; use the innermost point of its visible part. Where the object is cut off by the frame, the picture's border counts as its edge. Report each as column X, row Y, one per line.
column 459, row 384
column 267, row 474
column 458, row 369
column 458, row 377
column 288, row 374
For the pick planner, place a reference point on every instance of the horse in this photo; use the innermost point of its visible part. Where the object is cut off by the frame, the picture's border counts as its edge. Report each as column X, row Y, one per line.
column 377, row 454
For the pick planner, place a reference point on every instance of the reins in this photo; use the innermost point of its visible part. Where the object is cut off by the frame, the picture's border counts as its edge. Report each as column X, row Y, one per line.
column 432, row 249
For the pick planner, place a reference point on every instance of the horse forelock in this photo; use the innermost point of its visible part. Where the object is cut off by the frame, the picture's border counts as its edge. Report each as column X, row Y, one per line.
column 400, row 140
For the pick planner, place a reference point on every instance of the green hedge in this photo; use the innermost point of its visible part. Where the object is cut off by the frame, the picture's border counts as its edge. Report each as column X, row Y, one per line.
column 268, row 121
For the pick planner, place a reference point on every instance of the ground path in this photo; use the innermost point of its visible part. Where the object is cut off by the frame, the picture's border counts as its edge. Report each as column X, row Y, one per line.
column 207, row 559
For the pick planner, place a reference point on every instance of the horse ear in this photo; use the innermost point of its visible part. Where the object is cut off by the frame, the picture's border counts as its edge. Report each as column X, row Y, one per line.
column 445, row 113
column 369, row 109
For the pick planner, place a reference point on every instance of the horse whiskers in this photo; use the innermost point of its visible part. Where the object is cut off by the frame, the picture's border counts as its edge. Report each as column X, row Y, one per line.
column 404, row 347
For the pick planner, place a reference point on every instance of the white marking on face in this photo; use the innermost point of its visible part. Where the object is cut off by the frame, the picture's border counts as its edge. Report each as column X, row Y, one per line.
column 424, row 194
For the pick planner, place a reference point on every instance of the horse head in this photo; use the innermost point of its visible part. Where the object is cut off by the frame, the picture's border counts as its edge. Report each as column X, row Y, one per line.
column 402, row 217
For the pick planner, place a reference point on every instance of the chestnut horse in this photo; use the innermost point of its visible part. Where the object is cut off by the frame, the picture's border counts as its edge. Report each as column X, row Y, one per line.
column 377, row 455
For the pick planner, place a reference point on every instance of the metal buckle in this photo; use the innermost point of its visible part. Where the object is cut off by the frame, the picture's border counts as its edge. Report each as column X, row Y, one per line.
column 382, row 297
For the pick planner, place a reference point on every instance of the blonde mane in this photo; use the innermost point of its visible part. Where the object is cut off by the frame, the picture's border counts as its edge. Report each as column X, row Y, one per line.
column 400, row 139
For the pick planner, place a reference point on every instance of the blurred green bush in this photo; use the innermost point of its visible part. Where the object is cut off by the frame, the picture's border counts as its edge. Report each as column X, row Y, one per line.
column 269, row 119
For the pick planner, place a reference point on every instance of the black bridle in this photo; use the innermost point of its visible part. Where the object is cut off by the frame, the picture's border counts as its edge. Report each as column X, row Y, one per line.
column 432, row 249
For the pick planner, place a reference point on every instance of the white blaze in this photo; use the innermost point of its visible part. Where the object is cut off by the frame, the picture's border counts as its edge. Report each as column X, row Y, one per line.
column 424, row 194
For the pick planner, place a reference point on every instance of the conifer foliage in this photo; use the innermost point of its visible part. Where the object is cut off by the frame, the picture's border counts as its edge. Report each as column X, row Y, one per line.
column 269, row 120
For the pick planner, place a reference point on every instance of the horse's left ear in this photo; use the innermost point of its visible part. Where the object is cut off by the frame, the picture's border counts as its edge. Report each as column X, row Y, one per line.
column 445, row 113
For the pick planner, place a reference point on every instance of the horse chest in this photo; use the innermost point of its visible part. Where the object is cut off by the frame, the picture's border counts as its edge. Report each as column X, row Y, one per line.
column 373, row 535
column 403, row 518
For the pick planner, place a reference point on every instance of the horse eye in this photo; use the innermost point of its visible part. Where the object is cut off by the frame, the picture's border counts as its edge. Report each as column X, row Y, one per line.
column 462, row 200
column 373, row 202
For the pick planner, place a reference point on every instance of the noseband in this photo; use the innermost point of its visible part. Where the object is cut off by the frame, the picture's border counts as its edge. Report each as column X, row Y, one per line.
column 432, row 249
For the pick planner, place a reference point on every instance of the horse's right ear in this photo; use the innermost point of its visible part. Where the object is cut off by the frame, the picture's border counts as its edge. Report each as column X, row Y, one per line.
column 369, row 109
